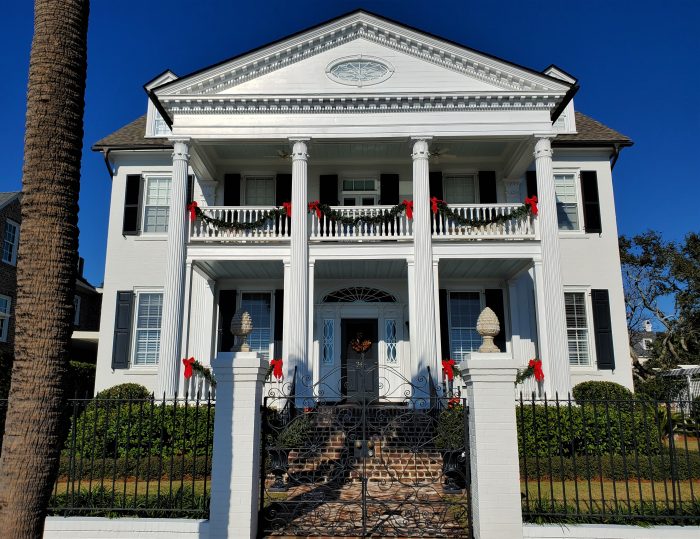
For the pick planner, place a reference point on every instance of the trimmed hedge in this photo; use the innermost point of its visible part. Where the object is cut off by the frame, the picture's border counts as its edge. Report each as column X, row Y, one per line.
column 599, row 390
column 125, row 391
column 175, row 467
column 593, row 428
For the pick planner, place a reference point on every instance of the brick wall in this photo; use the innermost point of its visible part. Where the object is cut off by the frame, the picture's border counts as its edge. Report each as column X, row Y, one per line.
column 8, row 273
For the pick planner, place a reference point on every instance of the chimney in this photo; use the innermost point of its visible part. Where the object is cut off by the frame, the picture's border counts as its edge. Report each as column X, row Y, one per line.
column 647, row 326
column 81, row 264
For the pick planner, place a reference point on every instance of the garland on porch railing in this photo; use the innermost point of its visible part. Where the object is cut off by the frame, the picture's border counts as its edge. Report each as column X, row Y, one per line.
column 193, row 366
column 450, row 368
column 265, row 217
column 529, row 207
column 385, row 216
column 274, row 369
column 534, row 368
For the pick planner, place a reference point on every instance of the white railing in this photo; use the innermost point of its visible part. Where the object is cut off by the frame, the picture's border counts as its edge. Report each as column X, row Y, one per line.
column 397, row 228
column 275, row 229
column 517, row 228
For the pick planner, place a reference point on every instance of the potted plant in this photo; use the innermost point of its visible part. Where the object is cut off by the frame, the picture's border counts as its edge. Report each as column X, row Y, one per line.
column 450, row 440
column 293, row 435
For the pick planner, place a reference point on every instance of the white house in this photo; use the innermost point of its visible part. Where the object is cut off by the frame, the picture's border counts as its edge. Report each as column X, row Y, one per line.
column 362, row 114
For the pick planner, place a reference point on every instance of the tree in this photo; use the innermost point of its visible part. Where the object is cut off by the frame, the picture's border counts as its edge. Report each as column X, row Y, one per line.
column 46, row 268
column 657, row 272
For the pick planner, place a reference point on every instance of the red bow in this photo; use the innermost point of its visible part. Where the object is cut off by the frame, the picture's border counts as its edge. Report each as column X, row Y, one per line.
column 409, row 208
column 447, row 365
column 276, row 368
column 532, row 202
column 434, row 201
column 188, row 367
column 314, row 206
column 192, row 208
column 287, row 208
column 536, row 365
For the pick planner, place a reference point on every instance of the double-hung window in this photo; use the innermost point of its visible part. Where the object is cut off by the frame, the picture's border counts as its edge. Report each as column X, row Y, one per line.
column 76, row 310
column 259, row 307
column 360, row 191
column 149, row 313
column 157, row 204
column 464, row 310
column 10, row 242
column 459, row 188
column 259, row 190
column 577, row 331
column 5, row 306
column 565, row 187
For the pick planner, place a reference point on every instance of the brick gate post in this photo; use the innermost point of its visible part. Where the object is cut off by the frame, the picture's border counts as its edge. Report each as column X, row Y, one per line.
column 236, row 454
column 493, row 443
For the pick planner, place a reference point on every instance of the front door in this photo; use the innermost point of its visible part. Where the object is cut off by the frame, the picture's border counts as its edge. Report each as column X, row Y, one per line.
column 360, row 369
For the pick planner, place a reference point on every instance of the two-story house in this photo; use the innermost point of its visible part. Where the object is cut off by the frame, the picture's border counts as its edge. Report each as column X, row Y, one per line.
column 362, row 177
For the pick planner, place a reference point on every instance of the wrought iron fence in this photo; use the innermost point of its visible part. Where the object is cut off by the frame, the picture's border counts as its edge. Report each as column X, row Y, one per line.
column 614, row 461
column 135, row 457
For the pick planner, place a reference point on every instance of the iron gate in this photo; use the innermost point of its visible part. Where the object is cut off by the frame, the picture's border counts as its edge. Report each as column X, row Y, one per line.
column 392, row 466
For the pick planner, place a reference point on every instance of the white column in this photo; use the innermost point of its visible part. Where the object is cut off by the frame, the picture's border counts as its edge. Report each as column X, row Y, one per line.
column 493, row 445
column 313, row 360
column 235, row 478
column 439, row 352
column 298, row 323
column 557, row 353
column 542, row 326
column 174, row 282
column 286, row 336
column 423, row 337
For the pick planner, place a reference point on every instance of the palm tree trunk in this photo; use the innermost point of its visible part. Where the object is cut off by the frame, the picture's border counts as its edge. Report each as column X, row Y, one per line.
column 46, row 268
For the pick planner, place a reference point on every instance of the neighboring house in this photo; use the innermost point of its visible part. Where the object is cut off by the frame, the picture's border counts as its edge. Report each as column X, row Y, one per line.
column 643, row 341
column 87, row 300
column 362, row 113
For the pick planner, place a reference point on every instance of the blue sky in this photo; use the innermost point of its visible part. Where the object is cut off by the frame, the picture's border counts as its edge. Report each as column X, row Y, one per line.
column 637, row 61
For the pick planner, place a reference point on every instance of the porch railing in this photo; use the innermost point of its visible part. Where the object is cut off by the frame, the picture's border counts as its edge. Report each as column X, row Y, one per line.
column 274, row 229
column 397, row 228
column 519, row 228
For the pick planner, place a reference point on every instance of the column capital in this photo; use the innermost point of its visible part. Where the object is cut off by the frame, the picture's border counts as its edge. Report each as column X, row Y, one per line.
column 299, row 148
column 181, row 148
column 543, row 146
column 420, row 147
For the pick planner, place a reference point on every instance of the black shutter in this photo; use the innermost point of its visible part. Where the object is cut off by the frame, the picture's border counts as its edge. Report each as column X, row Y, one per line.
column 227, row 308
column 279, row 322
column 591, row 204
column 487, row 187
column 328, row 189
column 435, row 179
column 444, row 324
column 602, row 329
column 494, row 300
column 122, row 330
column 132, row 205
column 232, row 189
column 389, row 189
column 190, row 188
column 283, row 189
column 531, row 182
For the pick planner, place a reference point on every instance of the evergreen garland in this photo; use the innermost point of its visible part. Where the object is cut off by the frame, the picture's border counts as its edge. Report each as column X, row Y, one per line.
column 266, row 217
column 386, row 215
column 444, row 210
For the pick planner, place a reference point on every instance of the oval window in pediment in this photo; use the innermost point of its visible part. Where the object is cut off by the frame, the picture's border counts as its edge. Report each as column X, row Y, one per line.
column 359, row 70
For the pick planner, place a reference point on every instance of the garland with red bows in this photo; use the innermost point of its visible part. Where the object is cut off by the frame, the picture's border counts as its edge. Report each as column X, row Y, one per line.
column 264, row 220
column 193, row 366
column 274, row 369
column 450, row 369
column 534, row 368
column 438, row 206
column 384, row 216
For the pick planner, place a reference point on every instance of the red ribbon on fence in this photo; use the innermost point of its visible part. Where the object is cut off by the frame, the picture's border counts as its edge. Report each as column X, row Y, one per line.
column 314, row 206
column 277, row 368
column 536, row 365
column 409, row 208
column 192, row 208
column 287, row 208
column 188, row 362
column 434, row 201
column 447, row 365
column 532, row 202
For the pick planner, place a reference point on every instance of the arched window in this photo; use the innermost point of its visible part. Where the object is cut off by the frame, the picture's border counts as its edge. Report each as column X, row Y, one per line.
column 359, row 294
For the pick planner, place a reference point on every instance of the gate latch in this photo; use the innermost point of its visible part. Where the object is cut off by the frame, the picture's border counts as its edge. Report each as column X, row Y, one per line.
column 364, row 448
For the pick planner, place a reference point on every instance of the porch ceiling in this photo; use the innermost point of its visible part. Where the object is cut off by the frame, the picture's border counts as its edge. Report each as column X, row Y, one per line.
column 481, row 268
column 243, row 269
column 360, row 269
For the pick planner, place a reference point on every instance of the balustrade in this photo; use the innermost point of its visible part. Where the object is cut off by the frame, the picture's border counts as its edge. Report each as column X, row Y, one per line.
column 395, row 228
column 516, row 228
column 272, row 229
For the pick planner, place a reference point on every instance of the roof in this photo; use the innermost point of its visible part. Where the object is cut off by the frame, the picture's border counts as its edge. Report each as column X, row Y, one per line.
column 131, row 137
column 7, row 197
column 591, row 132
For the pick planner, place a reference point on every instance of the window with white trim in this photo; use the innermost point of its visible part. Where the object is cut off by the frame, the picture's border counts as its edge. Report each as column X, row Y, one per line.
column 5, row 309
column 565, row 187
column 76, row 310
column 10, row 243
column 577, row 331
column 359, row 191
column 390, row 340
column 259, row 307
column 157, row 204
column 459, row 188
column 159, row 125
column 328, row 340
column 259, row 191
column 464, row 310
column 149, row 314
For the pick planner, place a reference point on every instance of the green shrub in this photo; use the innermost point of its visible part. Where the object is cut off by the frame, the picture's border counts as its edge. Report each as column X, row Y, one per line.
column 450, row 428
column 124, row 391
column 175, row 467
column 296, row 433
column 598, row 390
column 81, row 379
column 591, row 428
column 660, row 388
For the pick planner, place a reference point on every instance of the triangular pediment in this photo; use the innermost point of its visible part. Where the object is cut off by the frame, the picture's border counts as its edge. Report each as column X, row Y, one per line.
column 319, row 62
